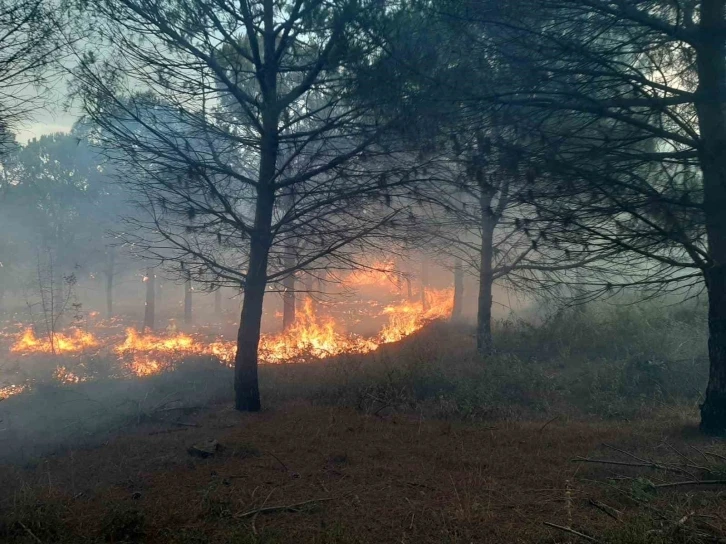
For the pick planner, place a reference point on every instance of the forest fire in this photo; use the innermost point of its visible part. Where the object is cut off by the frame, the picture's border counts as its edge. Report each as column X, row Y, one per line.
column 313, row 336
column 76, row 341
column 379, row 275
column 407, row 317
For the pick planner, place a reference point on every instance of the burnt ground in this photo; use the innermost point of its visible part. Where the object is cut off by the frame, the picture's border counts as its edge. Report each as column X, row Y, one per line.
column 347, row 477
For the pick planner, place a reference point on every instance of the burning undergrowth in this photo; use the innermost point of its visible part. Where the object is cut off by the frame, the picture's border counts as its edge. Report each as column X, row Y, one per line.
column 113, row 350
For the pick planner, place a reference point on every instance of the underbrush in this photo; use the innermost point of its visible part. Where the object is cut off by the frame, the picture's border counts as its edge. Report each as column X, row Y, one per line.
column 601, row 361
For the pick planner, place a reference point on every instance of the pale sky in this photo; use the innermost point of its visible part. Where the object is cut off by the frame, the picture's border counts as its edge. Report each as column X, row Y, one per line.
column 51, row 118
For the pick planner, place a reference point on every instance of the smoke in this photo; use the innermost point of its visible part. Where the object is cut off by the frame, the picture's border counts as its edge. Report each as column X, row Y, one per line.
column 53, row 417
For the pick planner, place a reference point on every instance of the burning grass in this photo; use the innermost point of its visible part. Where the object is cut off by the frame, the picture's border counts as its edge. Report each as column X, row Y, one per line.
column 314, row 336
column 57, row 343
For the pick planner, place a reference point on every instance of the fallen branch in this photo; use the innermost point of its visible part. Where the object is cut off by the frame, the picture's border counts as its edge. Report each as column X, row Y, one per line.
column 627, row 464
column 608, row 510
column 31, row 533
column 543, row 427
column 284, row 466
column 167, row 431
column 281, row 508
column 571, row 531
column 716, row 455
column 692, row 482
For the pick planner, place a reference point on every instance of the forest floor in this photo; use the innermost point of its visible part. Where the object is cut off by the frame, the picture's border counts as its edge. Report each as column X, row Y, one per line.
column 331, row 475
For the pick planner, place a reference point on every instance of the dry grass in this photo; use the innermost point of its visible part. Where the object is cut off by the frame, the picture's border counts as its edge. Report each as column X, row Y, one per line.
column 395, row 479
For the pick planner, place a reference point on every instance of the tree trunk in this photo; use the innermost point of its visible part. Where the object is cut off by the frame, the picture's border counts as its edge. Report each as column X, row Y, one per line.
column 710, row 106
column 288, row 283
column 424, row 284
column 111, row 258
column 246, row 385
column 288, row 302
column 218, row 302
column 457, row 309
column 307, row 282
column 188, row 302
column 247, row 392
column 150, row 305
column 484, row 342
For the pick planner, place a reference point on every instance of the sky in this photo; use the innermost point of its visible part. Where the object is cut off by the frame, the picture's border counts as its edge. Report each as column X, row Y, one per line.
column 54, row 116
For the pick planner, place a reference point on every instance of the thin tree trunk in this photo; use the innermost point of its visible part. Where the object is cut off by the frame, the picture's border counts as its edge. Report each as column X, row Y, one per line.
column 150, row 304
column 188, row 302
column 288, row 302
column 484, row 342
column 288, row 283
column 424, row 283
column 246, row 386
column 457, row 308
column 218, row 302
column 710, row 106
column 307, row 281
column 110, row 270
column 57, row 300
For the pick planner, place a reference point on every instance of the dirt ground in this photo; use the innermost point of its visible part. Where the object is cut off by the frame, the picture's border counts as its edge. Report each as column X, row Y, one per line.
column 348, row 477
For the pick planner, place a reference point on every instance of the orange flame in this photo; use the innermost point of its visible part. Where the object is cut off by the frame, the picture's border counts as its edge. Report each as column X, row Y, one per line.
column 379, row 274
column 152, row 354
column 63, row 375
column 408, row 317
column 10, row 390
column 61, row 343
column 311, row 337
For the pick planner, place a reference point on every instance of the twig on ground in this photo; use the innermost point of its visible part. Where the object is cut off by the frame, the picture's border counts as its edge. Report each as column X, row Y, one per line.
column 284, row 466
column 627, row 464
column 284, row 507
column 254, row 516
column 692, row 482
column 571, row 531
column 32, row 535
column 605, row 509
column 542, row 428
column 694, row 448
column 624, row 452
column 716, row 455
column 167, row 431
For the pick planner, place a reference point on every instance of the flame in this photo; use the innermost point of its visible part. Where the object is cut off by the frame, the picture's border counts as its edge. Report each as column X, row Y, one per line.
column 379, row 274
column 12, row 389
column 311, row 337
column 151, row 354
column 406, row 318
column 149, row 342
column 63, row 375
column 78, row 340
